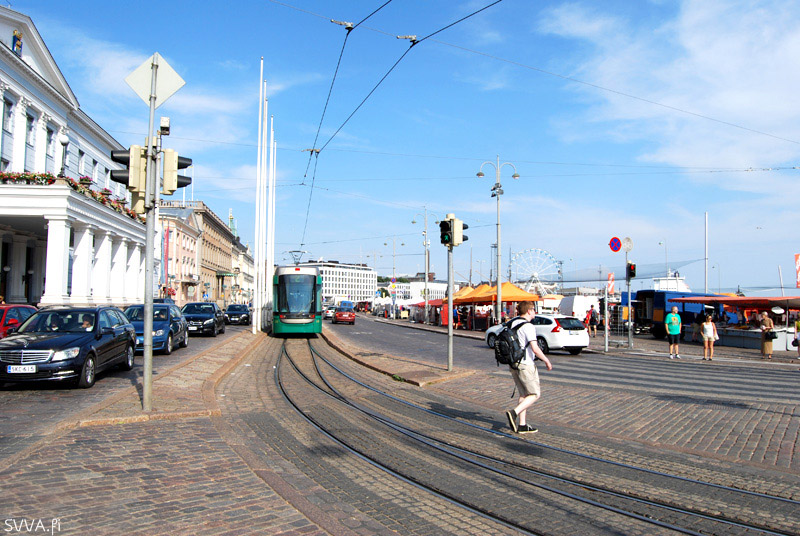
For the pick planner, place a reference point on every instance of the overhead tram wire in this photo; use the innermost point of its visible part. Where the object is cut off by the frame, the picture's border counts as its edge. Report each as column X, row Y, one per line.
column 314, row 152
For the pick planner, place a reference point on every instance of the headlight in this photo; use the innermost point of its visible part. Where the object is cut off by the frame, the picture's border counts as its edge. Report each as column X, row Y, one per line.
column 158, row 333
column 209, row 321
column 63, row 355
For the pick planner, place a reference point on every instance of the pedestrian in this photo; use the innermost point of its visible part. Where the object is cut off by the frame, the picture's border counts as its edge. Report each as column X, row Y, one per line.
column 526, row 377
column 2, row 300
column 673, row 324
column 594, row 319
column 709, row 336
column 766, row 328
column 699, row 320
column 797, row 335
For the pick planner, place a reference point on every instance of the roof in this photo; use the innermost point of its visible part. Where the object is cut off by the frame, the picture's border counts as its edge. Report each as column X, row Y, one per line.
column 745, row 302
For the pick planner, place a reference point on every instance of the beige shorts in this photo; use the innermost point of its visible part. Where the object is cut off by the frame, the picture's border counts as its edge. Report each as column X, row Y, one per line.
column 526, row 378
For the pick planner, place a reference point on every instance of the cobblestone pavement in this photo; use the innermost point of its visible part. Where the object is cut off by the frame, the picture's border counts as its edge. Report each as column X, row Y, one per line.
column 199, row 464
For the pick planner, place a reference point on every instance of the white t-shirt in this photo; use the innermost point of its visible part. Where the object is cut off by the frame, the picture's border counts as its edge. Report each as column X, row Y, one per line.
column 526, row 334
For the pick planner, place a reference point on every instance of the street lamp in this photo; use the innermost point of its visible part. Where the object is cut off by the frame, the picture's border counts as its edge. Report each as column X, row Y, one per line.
column 63, row 139
column 426, row 243
column 394, row 277
column 497, row 191
column 666, row 260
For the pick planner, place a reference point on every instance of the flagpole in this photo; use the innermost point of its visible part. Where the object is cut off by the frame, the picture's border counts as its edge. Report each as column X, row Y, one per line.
column 257, row 294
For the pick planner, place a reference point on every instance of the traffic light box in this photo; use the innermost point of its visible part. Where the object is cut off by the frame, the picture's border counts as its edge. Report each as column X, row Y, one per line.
column 630, row 272
column 172, row 163
column 458, row 232
column 446, row 232
column 135, row 176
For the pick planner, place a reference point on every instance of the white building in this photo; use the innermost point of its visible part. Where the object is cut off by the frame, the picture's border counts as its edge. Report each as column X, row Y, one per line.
column 353, row 282
column 62, row 242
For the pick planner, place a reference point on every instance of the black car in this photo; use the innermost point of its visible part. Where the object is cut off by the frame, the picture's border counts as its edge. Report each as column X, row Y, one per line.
column 68, row 344
column 204, row 318
column 237, row 314
column 169, row 327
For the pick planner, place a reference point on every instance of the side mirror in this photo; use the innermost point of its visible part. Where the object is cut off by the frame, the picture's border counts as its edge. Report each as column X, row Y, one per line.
column 12, row 322
column 106, row 331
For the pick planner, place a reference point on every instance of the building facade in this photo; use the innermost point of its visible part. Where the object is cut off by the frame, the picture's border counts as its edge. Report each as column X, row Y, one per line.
column 65, row 240
column 244, row 270
column 181, row 231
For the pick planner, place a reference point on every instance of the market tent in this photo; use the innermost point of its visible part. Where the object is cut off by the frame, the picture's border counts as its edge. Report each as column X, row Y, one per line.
column 510, row 293
column 745, row 302
column 465, row 298
column 462, row 292
column 431, row 303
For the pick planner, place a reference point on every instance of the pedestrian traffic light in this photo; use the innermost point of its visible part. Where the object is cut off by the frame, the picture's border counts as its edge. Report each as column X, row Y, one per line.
column 631, row 271
column 172, row 163
column 134, row 177
column 458, row 232
column 446, row 232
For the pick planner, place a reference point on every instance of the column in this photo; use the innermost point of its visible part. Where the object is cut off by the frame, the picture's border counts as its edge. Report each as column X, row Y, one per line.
column 82, row 254
column 59, row 152
column 40, row 144
column 57, row 261
column 119, row 268
column 39, row 264
column 132, row 281
column 16, row 283
column 102, row 267
column 19, row 133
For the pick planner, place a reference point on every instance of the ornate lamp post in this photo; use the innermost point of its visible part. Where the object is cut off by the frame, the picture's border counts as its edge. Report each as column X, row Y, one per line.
column 497, row 191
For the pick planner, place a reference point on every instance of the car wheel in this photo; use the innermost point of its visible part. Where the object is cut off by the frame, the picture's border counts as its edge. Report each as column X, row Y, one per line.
column 491, row 340
column 128, row 363
column 214, row 330
column 543, row 346
column 223, row 329
column 185, row 341
column 88, row 372
column 168, row 346
column 574, row 351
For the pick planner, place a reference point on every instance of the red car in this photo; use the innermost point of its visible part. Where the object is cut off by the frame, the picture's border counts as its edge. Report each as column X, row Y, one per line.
column 11, row 316
column 345, row 315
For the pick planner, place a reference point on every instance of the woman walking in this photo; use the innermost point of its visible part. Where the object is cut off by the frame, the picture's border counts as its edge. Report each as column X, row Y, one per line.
column 709, row 336
column 766, row 328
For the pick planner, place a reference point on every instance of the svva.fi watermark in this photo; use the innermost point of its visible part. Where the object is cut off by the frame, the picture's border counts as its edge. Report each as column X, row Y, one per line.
column 33, row 526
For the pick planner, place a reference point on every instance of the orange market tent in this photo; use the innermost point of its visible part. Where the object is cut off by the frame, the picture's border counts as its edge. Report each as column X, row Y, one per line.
column 464, row 299
column 510, row 293
column 462, row 292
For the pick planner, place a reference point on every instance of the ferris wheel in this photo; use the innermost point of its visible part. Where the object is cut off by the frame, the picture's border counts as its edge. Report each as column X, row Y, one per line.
column 535, row 270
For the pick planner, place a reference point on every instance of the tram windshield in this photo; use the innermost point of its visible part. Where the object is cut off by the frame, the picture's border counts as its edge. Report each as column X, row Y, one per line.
column 297, row 293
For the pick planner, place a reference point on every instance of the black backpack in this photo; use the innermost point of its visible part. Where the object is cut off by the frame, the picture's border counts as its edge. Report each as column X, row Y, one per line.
column 507, row 348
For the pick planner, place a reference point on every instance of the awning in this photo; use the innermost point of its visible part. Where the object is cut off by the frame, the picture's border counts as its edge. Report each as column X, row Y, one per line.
column 745, row 302
column 226, row 274
column 510, row 293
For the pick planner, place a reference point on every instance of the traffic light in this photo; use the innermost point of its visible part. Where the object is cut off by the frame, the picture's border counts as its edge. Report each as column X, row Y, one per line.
column 172, row 163
column 135, row 176
column 446, row 232
column 458, row 232
column 631, row 271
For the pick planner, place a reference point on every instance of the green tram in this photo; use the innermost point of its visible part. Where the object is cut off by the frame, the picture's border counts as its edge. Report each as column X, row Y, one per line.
column 297, row 301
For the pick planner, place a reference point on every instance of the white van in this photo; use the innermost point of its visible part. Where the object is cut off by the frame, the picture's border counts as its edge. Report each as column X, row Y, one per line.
column 578, row 305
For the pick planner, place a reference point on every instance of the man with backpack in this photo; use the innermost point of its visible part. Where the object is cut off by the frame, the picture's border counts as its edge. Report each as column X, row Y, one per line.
column 594, row 319
column 525, row 375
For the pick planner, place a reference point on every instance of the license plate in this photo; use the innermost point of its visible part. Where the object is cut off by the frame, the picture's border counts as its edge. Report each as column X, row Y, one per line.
column 20, row 369
column 192, row 328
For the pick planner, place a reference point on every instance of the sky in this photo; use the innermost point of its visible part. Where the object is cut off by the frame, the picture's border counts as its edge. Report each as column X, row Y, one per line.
column 622, row 119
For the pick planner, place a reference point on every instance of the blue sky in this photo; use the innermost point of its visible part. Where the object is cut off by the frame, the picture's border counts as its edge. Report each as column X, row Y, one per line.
column 622, row 119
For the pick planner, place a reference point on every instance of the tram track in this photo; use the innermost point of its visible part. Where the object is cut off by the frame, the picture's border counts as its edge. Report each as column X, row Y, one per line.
column 650, row 502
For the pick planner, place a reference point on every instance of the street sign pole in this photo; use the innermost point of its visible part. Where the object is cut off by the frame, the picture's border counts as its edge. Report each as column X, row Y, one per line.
column 147, row 381
column 605, row 320
column 450, row 306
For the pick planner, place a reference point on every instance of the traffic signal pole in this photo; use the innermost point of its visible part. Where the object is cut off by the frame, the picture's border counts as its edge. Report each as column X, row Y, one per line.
column 147, row 379
column 451, row 307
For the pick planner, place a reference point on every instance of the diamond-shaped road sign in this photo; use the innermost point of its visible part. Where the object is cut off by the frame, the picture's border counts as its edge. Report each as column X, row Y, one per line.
column 167, row 80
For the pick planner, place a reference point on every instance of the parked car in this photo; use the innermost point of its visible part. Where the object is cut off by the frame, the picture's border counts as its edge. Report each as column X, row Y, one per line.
column 329, row 312
column 169, row 327
column 237, row 313
column 553, row 332
column 68, row 344
column 344, row 315
column 204, row 318
column 11, row 316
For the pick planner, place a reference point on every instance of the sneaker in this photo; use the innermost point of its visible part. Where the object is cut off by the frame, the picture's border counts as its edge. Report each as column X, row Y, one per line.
column 677, row 356
column 671, row 356
column 526, row 429
column 512, row 419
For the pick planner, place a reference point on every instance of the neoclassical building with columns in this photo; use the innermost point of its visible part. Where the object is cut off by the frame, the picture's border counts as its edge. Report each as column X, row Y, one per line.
column 60, row 243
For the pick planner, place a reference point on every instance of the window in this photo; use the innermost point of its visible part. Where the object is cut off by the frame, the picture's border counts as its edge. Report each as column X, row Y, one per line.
column 51, row 138
column 81, row 162
column 3, row 164
column 8, row 110
column 29, row 129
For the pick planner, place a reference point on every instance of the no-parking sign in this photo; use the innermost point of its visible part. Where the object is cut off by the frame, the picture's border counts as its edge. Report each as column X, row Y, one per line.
column 615, row 244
